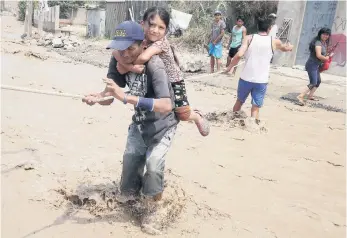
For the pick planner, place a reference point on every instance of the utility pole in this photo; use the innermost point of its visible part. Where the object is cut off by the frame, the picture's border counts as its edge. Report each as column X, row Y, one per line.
column 40, row 23
column 2, row 6
column 42, row 9
column 28, row 18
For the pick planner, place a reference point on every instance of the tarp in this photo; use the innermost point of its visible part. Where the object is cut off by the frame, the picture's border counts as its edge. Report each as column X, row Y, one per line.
column 180, row 19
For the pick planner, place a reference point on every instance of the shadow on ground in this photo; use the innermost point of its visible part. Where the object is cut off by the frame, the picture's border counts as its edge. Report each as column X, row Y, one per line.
column 292, row 97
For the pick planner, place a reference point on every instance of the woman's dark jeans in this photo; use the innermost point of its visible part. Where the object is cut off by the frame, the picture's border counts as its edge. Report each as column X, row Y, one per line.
column 312, row 69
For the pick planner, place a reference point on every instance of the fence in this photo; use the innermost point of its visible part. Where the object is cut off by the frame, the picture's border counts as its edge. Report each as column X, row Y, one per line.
column 118, row 11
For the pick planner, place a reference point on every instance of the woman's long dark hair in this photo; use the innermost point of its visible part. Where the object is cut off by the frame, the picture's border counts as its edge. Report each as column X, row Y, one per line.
column 324, row 30
column 165, row 17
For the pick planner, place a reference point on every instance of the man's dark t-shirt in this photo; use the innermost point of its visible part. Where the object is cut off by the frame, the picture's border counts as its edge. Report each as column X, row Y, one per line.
column 153, row 84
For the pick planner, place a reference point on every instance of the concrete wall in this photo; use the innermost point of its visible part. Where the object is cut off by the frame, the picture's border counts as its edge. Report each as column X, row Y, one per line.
column 308, row 17
column 50, row 19
column 318, row 14
column 96, row 23
column 294, row 10
column 11, row 6
column 79, row 17
column 338, row 66
column 2, row 5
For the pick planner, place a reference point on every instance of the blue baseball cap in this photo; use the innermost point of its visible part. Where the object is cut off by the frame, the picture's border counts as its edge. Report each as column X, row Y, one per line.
column 125, row 35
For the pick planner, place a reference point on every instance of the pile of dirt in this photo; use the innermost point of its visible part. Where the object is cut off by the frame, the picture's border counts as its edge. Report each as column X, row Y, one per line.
column 236, row 119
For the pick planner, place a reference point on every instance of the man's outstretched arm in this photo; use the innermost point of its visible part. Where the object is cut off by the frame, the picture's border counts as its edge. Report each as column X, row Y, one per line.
column 282, row 47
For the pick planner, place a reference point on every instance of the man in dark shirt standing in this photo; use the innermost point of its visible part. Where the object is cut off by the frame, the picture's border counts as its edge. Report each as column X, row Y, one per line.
column 154, row 122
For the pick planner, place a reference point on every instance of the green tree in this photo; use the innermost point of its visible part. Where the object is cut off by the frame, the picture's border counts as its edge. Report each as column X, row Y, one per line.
column 22, row 5
column 251, row 11
column 66, row 7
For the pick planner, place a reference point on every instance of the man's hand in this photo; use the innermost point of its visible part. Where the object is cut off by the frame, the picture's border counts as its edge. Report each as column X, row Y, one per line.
column 278, row 45
column 283, row 47
column 92, row 98
column 289, row 47
column 331, row 54
column 113, row 89
column 214, row 42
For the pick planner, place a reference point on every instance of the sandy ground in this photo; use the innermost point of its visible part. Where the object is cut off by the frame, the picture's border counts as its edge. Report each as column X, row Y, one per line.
column 285, row 180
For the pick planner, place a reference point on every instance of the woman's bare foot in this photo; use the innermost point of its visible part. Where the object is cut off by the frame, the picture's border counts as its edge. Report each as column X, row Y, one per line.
column 301, row 100
column 203, row 125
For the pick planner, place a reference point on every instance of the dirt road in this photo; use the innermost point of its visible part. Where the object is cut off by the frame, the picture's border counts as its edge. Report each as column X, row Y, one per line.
column 287, row 180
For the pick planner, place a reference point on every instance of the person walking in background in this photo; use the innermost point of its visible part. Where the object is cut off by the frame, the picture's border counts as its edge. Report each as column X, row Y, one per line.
column 274, row 29
column 238, row 33
column 215, row 47
column 318, row 55
column 258, row 50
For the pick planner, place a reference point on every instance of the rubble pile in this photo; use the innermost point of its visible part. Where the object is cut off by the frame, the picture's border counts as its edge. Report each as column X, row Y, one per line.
column 55, row 41
column 191, row 64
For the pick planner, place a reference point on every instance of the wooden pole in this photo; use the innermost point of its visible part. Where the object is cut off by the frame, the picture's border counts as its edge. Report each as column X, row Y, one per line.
column 29, row 90
column 2, row 5
column 28, row 18
column 30, row 23
column 40, row 23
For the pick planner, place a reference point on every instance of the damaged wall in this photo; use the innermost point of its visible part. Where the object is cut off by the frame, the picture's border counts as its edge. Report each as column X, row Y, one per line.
column 308, row 18
column 338, row 65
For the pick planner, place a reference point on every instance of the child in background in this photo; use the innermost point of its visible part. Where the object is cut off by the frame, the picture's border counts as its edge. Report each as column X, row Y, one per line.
column 215, row 46
column 238, row 33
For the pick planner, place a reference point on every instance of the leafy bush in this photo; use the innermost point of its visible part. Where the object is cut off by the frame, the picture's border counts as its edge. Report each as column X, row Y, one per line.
column 252, row 11
column 200, row 24
column 66, row 7
column 202, row 17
